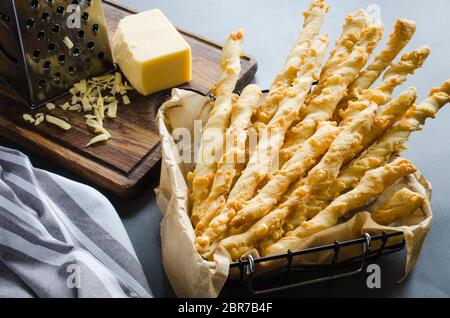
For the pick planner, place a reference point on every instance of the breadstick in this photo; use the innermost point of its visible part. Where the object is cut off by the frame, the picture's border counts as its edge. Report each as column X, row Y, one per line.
column 301, row 162
column 314, row 18
column 372, row 184
column 236, row 138
column 403, row 203
column 266, row 153
column 394, row 139
column 322, row 107
column 352, row 31
column 212, row 143
column 320, row 177
column 395, row 76
column 399, row 38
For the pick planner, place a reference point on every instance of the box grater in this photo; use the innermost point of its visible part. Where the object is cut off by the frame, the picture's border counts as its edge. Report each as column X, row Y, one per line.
column 48, row 45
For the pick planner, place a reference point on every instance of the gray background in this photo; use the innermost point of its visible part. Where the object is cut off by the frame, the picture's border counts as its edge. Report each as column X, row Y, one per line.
column 271, row 27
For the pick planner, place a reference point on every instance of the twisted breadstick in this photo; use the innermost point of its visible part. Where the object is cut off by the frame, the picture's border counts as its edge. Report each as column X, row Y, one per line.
column 314, row 17
column 322, row 107
column 399, row 38
column 266, row 153
column 394, row 139
column 301, row 162
column 214, row 130
column 320, row 177
column 352, row 32
column 373, row 184
column 403, row 203
column 236, row 138
column 395, row 76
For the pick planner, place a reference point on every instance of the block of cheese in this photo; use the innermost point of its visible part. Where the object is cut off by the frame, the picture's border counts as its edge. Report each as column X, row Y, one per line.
column 151, row 52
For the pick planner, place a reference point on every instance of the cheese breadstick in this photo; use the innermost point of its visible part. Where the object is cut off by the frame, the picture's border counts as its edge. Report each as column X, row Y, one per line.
column 300, row 163
column 266, row 153
column 335, row 87
column 394, row 139
column 403, row 203
column 395, row 76
column 214, row 130
column 320, row 177
column 399, row 38
column 314, row 18
column 372, row 185
column 236, row 138
column 352, row 32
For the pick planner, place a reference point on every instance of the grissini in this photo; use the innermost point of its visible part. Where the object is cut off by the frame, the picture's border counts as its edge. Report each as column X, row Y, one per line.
column 262, row 160
column 394, row 140
column 303, row 160
column 401, row 204
column 352, row 32
column 335, row 87
column 235, row 141
column 394, row 76
column 384, row 119
column 313, row 20
column 321, row 176
column 214, row 130
column 372, row 185
column 403, row 32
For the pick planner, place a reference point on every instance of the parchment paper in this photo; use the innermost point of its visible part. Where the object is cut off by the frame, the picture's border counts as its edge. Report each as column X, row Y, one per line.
column 189, row 274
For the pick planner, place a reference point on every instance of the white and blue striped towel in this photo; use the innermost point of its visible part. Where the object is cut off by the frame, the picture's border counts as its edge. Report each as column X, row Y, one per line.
column 59, row 238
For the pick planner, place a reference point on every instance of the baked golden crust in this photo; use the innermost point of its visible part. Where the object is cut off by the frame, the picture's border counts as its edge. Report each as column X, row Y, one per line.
column 314, row 18
column 262, row 160
column 403, row 32
column 211, row 144
column 335, row 87
column 372, row 184
column 394, row 139
column 229, row 165
column 303, row 160
column 318, row 179
column 401, row 204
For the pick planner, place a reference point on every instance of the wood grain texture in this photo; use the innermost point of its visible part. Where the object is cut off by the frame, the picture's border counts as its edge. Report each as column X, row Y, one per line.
column 121, row 164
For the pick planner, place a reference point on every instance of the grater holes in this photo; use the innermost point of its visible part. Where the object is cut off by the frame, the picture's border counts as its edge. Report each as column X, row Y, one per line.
column 60, row 9
column 91, row 45
column 30, row 23
column 85, row 16
column 50, row 2
column 36, row 54
column 80, row 34
column 95, row 28
column 41, row 84
column 76, row 51
column 72, row 70
column 75, row 2
column 101, row 55
column 47, row 66
column 51, row 47
column 61, row 59
column 34, row 4
column 45, row 16
column 41, row 35
column 56, row 28
column 57, row 77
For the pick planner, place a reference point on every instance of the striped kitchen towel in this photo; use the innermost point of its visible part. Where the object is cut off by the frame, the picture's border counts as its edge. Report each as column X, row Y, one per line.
column 59, row 238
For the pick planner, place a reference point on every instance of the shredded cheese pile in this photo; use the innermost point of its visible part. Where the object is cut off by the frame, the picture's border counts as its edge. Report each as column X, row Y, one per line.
column 97, row 98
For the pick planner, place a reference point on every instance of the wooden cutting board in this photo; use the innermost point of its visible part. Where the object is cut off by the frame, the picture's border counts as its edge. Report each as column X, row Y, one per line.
column 121, row 164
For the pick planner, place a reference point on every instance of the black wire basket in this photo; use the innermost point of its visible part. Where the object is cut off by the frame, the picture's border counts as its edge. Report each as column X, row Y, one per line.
column 386, row 243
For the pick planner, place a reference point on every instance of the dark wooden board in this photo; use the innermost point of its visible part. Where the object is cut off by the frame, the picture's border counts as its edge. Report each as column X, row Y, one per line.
column 121, row 164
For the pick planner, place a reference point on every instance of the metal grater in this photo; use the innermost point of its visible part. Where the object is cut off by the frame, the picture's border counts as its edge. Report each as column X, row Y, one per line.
column 48, row 45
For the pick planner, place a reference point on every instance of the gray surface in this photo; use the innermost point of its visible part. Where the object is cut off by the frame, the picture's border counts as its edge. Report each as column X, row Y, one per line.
column 271, row 27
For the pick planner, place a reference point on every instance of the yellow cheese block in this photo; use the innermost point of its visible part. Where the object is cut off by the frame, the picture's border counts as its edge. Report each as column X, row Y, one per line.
column 151, row 52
